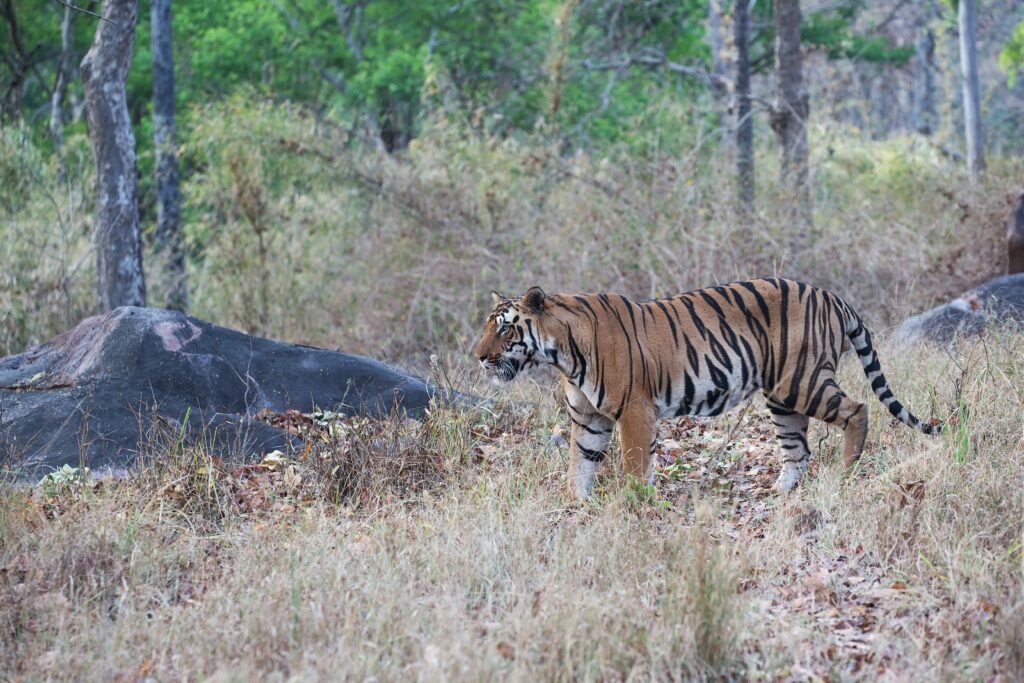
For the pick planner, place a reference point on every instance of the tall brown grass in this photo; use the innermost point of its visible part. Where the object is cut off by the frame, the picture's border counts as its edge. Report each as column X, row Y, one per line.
column 298, row 232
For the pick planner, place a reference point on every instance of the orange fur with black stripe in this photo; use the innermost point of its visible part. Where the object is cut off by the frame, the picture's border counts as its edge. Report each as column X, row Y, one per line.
column 629, row 363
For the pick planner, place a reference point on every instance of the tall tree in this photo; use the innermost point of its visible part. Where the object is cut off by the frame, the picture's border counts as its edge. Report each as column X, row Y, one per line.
column 117, row 242
column 789, row 115
column 168, row 203
column 972, row 97
column 924, row 97
column 60, row 87
column 744, row 120
column 19, row 61
column 719, row 66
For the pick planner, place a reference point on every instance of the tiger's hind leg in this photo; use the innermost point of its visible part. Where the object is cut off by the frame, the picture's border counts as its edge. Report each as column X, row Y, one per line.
column 791, row 429
column 836, row 408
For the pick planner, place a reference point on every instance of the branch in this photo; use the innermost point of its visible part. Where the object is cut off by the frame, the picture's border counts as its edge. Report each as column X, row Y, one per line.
column 347, row 16
column 337, row 82
column 885, row 22
column 67, row 4
column 651, row 57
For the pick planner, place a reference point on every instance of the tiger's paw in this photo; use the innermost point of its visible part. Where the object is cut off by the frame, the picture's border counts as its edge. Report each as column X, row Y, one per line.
column 787, row 480
column 582, row 478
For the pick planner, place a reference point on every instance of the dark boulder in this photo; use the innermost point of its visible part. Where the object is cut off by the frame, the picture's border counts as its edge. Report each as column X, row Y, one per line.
column 110, row 384
column 997, row 302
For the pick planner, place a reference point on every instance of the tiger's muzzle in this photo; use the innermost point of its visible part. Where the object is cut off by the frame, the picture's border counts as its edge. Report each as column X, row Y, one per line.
column 501, row 368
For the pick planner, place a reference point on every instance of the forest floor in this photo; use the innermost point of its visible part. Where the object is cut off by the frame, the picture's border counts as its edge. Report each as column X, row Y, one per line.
column 448, row 549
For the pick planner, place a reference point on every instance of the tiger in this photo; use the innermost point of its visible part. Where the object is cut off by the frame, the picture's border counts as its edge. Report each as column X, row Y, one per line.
column 630, row 363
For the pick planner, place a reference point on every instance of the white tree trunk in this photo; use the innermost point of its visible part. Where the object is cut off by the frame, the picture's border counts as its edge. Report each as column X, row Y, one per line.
column 972, row 96
column 61, row 85
column 719, row 66
column 104, row 69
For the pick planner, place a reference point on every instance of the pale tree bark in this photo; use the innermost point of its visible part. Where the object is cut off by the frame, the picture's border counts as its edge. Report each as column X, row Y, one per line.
column 60, row 87
column 719, row 66
column 744, row 120
column 972, row 96
column 170, row 242
column 117, row 243
column 789, row 118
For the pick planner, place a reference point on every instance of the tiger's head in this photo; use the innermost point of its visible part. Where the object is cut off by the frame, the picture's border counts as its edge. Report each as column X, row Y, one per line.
column 512, row 340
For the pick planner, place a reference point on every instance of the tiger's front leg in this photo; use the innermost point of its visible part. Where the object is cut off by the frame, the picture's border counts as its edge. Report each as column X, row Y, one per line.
column 638, row 433
column 591, row 436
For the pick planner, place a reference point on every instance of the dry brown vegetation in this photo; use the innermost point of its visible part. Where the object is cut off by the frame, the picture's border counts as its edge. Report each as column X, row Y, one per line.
column 300, row 234
column 447, row 549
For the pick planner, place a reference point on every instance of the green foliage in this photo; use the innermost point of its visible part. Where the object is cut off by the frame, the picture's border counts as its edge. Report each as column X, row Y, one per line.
column 831, row 31
column 20, row 162
column 44, row 237
column 1011, row 58
column 640, row 495
column 513, row 65
column 66, row 480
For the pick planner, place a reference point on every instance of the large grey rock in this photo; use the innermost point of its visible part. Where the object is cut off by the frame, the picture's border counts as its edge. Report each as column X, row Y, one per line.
column 103, row 388
column 997, row 302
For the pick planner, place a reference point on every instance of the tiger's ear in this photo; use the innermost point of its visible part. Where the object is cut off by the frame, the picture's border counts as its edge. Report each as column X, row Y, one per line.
column 534, row 300
column 498, row 298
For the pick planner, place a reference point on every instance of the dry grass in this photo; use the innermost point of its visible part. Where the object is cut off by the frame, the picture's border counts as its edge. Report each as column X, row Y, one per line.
column 447, row 550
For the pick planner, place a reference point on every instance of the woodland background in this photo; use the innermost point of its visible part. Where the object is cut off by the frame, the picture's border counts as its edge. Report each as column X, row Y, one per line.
column 359, row 175
column 349, row 168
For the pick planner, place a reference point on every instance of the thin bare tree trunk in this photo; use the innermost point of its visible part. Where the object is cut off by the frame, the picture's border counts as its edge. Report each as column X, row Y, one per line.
column 719, row 66
column 789, row 118
column 168, row 206
column 924, row 110
column 972, row 97
column 104, row 69
column 61, row 86
column 744, row 120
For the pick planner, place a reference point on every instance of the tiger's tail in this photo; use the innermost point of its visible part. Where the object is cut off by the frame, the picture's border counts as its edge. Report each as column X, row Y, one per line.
column 859, row 336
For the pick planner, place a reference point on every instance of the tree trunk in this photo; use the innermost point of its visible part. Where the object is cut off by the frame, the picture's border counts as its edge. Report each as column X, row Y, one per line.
column 789, row 117
column 744, row 120
column 719, row 66
column 924, row 101
column 972, row 97
column 168, row 206
column 19, row 62
column 60, row 88
column 1015, row 239
column 117, row 243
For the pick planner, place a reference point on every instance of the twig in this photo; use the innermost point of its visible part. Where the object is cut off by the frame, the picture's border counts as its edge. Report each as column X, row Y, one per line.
column 67, row 4
column 652, row 58
column 732, row 431
column 888, row 19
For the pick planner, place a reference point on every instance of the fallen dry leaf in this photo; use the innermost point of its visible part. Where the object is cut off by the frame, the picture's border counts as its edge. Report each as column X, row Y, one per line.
column 506, row 650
